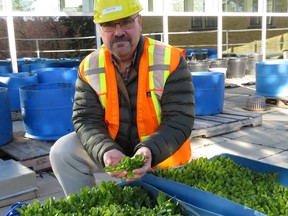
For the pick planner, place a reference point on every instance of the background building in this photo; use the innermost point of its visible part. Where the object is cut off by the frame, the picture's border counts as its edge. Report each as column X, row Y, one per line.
column 64, row 28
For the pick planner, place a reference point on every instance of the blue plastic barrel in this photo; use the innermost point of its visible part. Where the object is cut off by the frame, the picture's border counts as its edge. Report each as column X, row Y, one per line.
column 37, row 65
column 196, row 54
column 212, row 53
column 13, row 82
column 66, row 62
column 56, row 74
column 209, row 92
column 6, row 128
column 272, row 78
column 23, row 62
column 189, row 52
column 47, row 110
column 5, row 67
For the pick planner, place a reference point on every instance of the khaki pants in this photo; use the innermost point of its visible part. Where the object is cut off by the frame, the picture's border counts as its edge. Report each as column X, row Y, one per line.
column 73, row 167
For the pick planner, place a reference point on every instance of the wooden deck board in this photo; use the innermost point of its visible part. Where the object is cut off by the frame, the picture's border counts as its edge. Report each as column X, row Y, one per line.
column 225, row 122
column 31, row 153
column 217, row 118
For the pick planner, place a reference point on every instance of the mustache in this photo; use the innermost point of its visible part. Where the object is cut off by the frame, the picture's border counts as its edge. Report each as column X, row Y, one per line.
column 120, row 39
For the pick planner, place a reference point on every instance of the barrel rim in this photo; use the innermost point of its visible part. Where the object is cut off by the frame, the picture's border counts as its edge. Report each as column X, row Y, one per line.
column 210, row 73
column 47, row 69
column 18, row 75
column 60, row 85
column 273, row 62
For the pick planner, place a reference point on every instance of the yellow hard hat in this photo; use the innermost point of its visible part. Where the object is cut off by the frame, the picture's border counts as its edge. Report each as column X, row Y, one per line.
column 109, row 10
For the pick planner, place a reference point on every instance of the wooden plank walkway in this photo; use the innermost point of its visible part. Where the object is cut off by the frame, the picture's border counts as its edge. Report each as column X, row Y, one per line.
column 225, row 122
column 35, row 153
column 31, row 153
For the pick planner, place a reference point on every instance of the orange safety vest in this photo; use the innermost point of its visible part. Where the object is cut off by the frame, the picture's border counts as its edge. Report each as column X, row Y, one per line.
column 98, row 70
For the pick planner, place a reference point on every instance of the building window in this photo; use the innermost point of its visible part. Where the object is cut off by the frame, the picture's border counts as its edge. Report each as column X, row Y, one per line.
column 211, row 22
column 233, row 6
column 256, row 22
column 203, row 23
column 77, row 5
column 196, row 22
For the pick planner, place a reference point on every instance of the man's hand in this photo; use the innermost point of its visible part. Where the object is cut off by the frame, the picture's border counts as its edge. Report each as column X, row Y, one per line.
column 139, row 173
column 113, row 158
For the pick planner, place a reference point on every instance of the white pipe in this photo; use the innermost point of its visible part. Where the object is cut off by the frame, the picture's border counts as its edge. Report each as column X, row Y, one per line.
column 98, row 38
column 219, row 30
column 38, row 50
column 165, row 23
column 264, row 28
column 11, row 36
column 165, row 29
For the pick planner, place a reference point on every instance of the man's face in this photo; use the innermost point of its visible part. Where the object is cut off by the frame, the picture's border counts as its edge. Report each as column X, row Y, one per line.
column 122, row 36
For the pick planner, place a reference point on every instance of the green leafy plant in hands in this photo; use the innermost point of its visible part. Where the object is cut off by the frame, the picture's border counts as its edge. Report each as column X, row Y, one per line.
column 128, row 164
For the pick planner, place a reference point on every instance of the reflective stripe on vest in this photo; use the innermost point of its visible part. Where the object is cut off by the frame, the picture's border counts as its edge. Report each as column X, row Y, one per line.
column 147, row 126
column 97, row 75
column 94, row 73
column 158, row 74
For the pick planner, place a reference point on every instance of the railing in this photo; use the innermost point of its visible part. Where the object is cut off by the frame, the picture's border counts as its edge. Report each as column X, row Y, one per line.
column 38, row 50
column 225, row 45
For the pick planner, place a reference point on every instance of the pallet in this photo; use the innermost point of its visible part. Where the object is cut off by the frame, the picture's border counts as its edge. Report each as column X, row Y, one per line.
column 236, row 82
column 277, row 101
column 31, row 153
column 225, row 122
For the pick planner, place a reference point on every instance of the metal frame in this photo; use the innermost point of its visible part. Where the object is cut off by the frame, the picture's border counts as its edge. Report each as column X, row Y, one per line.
column 262, row 11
